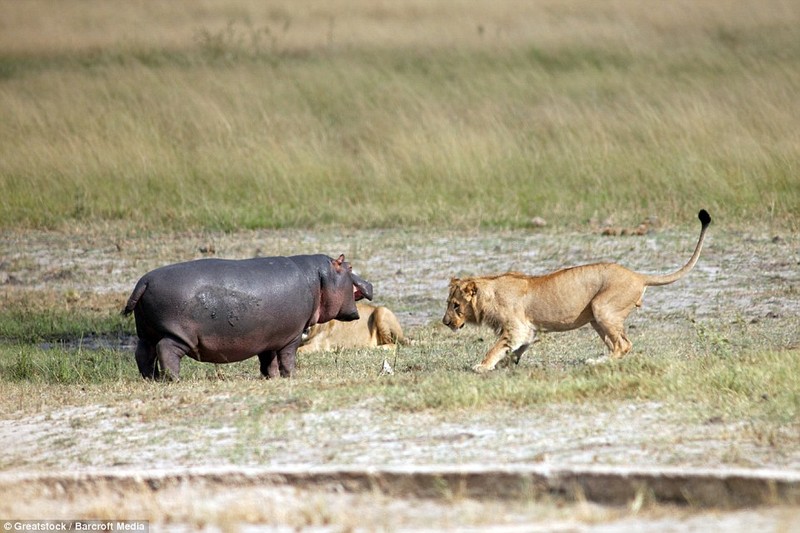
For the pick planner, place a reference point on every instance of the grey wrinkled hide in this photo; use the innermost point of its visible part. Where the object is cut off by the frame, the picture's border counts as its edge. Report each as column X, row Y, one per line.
column 223, row 311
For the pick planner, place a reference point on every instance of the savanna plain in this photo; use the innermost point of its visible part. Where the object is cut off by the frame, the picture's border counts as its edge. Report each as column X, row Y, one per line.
column 423, row 140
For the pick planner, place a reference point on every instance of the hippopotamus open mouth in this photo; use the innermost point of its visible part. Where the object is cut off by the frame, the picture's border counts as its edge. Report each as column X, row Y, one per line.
column 361, row 288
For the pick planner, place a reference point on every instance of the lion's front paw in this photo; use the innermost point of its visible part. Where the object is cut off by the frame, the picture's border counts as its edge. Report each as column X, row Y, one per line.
column 481, row 368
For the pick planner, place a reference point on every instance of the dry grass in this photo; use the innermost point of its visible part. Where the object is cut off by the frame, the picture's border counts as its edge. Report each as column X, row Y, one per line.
column 200, row 114
column 39, row 28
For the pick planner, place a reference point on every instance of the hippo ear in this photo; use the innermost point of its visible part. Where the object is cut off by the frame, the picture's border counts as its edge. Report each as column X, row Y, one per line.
column 338, row 262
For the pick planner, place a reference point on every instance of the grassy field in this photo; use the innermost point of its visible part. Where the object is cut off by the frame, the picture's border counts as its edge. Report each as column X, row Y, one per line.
column 724, row 373
column 421, row 139
column 711, row 399
column 236, row 115
column 721, row 345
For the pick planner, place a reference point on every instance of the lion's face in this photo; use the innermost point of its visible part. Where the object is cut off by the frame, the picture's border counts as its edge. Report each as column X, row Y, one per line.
column 459, row 304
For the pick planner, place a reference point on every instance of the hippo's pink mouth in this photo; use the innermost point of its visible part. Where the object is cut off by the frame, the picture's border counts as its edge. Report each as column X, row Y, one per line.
column 361, row 288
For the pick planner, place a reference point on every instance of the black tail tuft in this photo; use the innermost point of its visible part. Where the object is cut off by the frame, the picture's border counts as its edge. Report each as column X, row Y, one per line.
column 705, row 218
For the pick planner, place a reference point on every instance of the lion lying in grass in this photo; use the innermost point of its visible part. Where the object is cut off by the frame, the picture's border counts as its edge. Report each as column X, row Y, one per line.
column 376, row 326
column 516, row 306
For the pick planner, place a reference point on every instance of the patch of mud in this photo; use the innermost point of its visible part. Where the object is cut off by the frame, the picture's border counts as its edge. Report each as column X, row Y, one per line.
column 94, row 342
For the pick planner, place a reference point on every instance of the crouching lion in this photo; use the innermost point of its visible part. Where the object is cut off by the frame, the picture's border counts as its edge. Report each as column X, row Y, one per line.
column 376, row 326
column 516, row 305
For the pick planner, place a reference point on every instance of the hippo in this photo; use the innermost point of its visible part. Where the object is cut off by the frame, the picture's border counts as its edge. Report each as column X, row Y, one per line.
column 226, row 310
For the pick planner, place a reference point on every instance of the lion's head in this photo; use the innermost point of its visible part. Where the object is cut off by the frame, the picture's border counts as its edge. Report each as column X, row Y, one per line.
column 460, row 304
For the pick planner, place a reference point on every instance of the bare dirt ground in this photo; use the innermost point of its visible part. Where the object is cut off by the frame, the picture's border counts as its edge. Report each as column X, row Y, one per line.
column 742, row 277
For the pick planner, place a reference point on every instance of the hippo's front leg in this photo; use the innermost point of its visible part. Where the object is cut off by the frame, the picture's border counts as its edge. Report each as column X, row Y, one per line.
column 268, row 362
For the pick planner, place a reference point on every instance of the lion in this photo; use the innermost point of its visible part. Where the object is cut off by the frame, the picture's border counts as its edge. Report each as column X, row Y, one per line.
column 517, row 306
column 376, row 326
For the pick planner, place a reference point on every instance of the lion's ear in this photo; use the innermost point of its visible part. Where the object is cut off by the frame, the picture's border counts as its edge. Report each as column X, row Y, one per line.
column 454, row 282
column 470, row 289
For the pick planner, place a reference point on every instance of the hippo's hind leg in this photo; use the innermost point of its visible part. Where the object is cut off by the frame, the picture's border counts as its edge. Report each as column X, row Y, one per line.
column 286, row 363
column 169, row 352
column 146, row 359
column 269, row 364
column 287, row 357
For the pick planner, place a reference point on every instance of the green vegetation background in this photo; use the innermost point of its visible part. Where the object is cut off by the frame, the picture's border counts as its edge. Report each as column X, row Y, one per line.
column 448, row 114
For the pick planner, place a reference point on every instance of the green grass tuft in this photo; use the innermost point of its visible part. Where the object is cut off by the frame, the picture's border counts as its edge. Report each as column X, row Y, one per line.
column 34, row 365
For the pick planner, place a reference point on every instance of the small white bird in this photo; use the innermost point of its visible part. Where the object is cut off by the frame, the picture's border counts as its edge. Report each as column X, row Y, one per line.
column 387, row 369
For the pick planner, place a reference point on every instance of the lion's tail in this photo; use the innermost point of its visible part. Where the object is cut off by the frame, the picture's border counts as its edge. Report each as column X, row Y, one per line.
column 666, row 279
column 137, row 293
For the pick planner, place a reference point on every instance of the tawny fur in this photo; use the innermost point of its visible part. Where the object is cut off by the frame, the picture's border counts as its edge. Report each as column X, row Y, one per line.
column 516, row 305
column 377, row 326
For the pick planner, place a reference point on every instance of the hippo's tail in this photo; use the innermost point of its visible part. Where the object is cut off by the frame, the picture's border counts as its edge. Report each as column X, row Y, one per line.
column 135, row 295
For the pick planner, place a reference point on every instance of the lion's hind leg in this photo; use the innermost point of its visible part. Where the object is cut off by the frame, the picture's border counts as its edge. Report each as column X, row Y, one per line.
column 387, row 327
column 609, row 313
column 614, row 337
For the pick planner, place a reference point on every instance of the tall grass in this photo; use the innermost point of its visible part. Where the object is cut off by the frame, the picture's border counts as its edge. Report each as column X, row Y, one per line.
column 37, row 316
column 28, row 364
column 347, row 113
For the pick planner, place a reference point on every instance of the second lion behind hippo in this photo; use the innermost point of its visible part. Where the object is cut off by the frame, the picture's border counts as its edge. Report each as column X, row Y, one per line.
column 377, row 326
